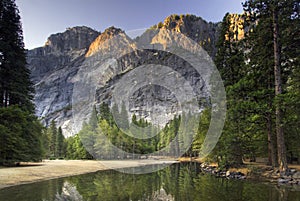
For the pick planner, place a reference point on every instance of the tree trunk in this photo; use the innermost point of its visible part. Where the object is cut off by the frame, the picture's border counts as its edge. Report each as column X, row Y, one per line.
column 281, row 150
column 271, row 148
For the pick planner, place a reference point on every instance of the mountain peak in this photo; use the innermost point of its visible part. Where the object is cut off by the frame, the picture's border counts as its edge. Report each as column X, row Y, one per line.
column 112, row 31
column 75, row 38
column 109, row 33
column 174, row 21
column 202, row 32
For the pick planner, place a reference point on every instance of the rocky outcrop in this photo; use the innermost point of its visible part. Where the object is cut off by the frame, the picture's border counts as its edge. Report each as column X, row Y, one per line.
column 237, row 26
column 68, row 192
column 155, row 102
column 53, row 68
column 213, row 170
column 197, row 29
column 109, row 33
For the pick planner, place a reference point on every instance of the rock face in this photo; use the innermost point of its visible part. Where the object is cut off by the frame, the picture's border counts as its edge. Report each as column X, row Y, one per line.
column 237, row 26
column 204, row 33
column 52, row 70
column 56, row 67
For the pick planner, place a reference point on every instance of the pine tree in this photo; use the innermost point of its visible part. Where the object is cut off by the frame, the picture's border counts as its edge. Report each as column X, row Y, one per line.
column 230, row 63
column 292, row 117
column 88, row 132
column 280, row 17
column 260, row 72
column 59, row 149
column 15, row 85
column 291, row 56
column 20, row 137
column 229, row 59
column 45, row 143
column 52, row 138
column 124, row 119
column 93, row 122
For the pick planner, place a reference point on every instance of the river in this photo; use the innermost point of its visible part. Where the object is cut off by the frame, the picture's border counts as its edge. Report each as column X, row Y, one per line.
column 182, row 182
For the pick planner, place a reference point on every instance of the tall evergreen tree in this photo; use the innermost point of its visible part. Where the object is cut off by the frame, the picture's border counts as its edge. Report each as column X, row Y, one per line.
column 52, row 138
column 19, row 136
column 280, row 17
column 230, row 63
column 93, row 122
column 261, row 72
column 20, row 131
column 15, row 85
column 59, row 150
column 124, row 121
column 291, row 57
column 230, row 58
column 89, row 131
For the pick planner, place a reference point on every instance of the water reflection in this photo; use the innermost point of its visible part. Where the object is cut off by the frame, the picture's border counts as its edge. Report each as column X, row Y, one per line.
column 179, row 182
column 69, row 192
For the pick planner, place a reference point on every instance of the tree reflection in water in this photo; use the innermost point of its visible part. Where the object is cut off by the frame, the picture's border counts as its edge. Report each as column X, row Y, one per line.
column 178, row 182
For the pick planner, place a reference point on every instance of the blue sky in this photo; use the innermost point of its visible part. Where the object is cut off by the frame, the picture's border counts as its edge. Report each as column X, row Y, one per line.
column 40, row 18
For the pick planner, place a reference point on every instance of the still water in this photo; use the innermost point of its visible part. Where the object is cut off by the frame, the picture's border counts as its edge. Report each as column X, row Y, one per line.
column 182, row 182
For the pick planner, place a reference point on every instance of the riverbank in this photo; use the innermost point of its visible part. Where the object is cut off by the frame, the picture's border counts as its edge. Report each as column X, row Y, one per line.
column 251, row 171
column 51, row 169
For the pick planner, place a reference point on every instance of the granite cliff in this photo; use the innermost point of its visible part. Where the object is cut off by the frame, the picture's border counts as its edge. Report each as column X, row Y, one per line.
column 53, row 68
column 57, row 65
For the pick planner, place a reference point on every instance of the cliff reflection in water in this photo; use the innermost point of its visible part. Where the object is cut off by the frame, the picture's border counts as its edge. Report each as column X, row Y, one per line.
column 181, row 182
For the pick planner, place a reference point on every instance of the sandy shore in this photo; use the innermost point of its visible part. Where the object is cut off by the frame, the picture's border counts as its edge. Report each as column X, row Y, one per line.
column 50, row 169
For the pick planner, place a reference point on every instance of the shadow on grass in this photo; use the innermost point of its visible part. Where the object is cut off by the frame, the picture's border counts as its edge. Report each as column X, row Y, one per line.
column 21, row 164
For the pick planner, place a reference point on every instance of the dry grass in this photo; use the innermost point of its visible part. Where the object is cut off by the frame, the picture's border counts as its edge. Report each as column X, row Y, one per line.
column 189, row 159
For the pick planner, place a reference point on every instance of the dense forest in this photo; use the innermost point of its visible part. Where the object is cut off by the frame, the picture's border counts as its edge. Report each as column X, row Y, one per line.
column 261, row 75
column 20, row 130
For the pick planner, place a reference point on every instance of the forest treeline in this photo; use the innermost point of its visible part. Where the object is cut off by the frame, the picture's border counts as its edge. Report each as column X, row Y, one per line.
column 20, row 130
column 261, row 75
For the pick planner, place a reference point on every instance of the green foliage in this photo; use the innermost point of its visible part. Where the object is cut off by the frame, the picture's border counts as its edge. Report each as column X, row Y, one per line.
column 53, row 141
column 20, row 140
column 292, row 117
column 52, row 132
column 15, row 85
column 276, row 29
column 141, row 122
column 230, row 62
column 75, row 149
column 93, row 119
column 60, row 146
column 45, row 143
column 247, row 68
column 203, row 127
column 99, row 141
column 20, row 131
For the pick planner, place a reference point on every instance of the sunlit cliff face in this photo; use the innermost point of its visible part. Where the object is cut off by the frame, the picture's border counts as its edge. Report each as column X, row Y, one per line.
column 55, row 66
column 236, row 26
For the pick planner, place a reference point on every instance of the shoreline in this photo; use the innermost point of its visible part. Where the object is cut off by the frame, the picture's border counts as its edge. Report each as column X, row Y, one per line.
column 254, row 171
column 28, row 173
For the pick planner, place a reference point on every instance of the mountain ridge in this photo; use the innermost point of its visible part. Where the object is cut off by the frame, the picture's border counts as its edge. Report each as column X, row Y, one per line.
column 55, row 66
